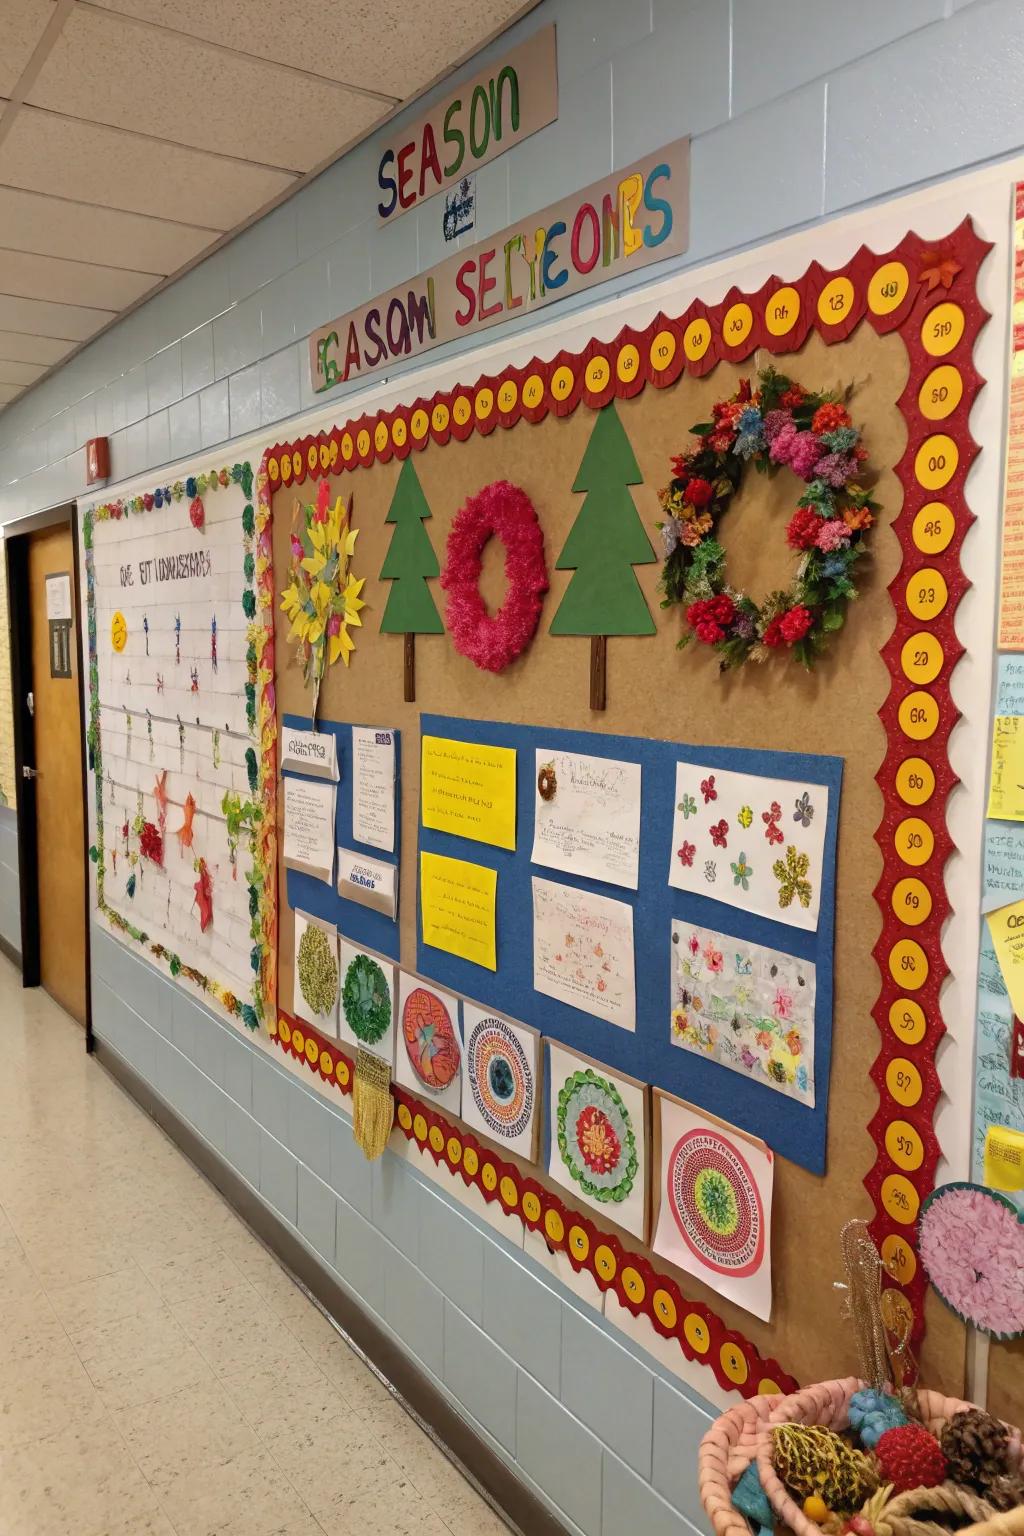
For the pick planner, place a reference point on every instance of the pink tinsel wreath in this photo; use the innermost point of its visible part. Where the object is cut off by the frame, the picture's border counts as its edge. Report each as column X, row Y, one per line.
column 971, row 1242
column 499, row 511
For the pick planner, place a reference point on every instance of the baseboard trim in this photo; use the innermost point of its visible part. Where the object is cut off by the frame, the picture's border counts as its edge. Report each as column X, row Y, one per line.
column 515, row 1502
column 8, row 949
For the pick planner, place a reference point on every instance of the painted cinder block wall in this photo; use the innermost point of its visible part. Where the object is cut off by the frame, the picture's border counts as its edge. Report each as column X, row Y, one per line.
column 797, row 109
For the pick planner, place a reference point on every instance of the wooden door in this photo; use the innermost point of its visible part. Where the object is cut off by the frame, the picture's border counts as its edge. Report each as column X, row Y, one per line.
column 58, row 787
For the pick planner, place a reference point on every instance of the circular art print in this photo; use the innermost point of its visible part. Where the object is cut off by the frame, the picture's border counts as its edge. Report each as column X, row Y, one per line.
column 715, row 1203
column 596, row 1138
column 366, row 999
column 971, row 1242
column 501, row 1078
column 430, row 1039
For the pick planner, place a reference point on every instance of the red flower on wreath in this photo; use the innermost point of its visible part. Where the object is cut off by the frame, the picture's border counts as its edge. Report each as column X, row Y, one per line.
column 685, row 854
column 803, row 528
column 711, row 617
column 829, row 417
column 501, row 511
column 698, row 492
column 720, row 833
column 599, row 1146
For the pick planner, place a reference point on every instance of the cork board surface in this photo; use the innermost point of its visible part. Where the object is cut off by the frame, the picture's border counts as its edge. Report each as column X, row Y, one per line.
column 656, row 691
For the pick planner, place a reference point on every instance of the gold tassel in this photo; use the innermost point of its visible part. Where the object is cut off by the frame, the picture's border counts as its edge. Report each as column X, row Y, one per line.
column 373, row 1108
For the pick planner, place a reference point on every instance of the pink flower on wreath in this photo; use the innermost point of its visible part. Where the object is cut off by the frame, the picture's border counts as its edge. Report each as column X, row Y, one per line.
column 833, row 535
column 782, row 445
column 773, row 424
column 805, row 454
column 836, row 469
column 685, row 855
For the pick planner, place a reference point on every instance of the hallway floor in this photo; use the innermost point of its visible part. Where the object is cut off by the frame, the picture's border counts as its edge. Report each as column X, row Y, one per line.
column 159, row 1372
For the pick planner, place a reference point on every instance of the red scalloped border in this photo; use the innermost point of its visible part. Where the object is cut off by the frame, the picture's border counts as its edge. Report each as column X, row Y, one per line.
column 893, row 292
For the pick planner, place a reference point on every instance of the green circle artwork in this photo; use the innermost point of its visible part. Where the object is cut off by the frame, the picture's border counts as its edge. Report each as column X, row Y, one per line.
column 317, row 970
column 366, row 999
column 596, row 1138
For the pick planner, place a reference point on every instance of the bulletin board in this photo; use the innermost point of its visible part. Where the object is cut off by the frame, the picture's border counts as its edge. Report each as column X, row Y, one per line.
column 882, row 325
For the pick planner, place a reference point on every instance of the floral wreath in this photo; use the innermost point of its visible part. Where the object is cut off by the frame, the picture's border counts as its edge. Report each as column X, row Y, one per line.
column 779, row 423
column 493, row 640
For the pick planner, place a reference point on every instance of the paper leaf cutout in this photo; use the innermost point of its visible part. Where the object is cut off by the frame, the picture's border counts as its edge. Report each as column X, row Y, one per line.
column 160, row 792
column 410, row 560
column 204, row 896
column 184, row 833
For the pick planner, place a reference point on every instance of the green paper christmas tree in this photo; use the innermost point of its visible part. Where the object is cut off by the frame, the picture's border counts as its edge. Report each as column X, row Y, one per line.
column 410, row 609
column 605, row 542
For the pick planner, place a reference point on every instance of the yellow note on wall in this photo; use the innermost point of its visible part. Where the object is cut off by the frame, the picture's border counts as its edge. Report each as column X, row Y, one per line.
column 1006, row 788
column 1007, row 929
column 469, row 789
column 457, row 908
column 1004, row 1158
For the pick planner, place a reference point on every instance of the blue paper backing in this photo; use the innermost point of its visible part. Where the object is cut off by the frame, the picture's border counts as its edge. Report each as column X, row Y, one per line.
column 792, row 1129
column 356, row 922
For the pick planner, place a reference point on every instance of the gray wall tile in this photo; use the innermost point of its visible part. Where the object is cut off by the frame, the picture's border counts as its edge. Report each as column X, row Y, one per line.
column 186, row 434
column 279, row 1177
column 317, row 1205
column 350, row 1172
column 560, row 1455
column 197, row 359
column 630, row 1505
column 270, row 1093
column 482, row 1376
column 214, row 414
column 523, row 1315
column 415, row 1310
column 451, row 1252
column 163, row 378
column 362, row 1256
column 395, row 1203
column 597, row 1371
column 679, row 1427
column 309, row 1130
column 242, row 1143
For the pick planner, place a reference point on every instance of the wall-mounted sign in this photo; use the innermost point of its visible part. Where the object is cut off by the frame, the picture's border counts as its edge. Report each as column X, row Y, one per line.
column 623, row 222
column 472, row 124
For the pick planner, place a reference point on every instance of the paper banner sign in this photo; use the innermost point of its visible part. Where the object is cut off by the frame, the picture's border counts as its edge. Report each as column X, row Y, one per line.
column 371, row 882
column 598, row 1137
column 315, row 996
column 500, row 1090
column 428, row 1053
column 314, row 753
column 583, row 951
column 586, row 817
column 752, row 842
column 457, row 908
column 715, row 1212
column 309, row 809
column 373, row 787
column 367, row 987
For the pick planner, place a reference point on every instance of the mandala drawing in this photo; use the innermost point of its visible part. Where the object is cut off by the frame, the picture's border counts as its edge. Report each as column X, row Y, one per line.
column 596, row 1137
column 715, row 1202
column 501, row 1078
column 430, row 1039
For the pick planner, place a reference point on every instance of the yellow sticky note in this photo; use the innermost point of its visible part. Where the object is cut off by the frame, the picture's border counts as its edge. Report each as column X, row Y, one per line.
column 469, row 789
column 1007, row 929
column 1004, row 1158
column 1006, row 788
column 457, row 908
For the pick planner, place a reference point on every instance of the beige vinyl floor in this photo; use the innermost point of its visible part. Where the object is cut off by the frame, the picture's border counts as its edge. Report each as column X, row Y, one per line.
column 159, row 1372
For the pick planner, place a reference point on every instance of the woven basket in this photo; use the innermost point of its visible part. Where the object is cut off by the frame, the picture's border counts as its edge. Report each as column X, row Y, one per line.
column 743, row 1434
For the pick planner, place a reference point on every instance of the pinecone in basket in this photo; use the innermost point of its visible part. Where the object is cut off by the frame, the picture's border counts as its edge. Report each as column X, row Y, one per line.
column 1006, row 1492
column 976, row 1446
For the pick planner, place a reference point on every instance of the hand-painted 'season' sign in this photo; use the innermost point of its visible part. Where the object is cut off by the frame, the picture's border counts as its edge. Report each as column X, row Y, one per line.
column 472, row 124
column 626, row 221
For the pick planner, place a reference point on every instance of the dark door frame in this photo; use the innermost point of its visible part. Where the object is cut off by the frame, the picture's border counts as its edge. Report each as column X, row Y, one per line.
column 16, row 549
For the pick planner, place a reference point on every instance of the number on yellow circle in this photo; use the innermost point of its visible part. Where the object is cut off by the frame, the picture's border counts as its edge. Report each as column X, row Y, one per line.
column 326, row 1062
column 907, row 1020
column 904, row 1145
column 665, row 1307
column 903, row 1081
column 918, row 715
column 782, row 311
column 420, row 424
column 312, row 457
column 911, row 902
column 605, row 1262
column 835, row 301
column 627, row 362
column 461, row 411
column 454, row 1150
column 927, row 593
column 533, row 391
column 897, row 1313
column 632, row 1284
column 908, row 964
column 347, row 447
column 934, row 526
column 363, row 442
column 936, row 461
column 737, row 323
column 914, row 841
column 915, row 781
column 888, row 288
column 663, row 350
column 696, row 1333
column 419, row 1127
column 342, row 1073
column 118, row 631
column 399, row 431
column 436, row 1138
column 508, row 394
column 298, row 1041
column 325, row 455
column 471, row 1163
column 562, row 381
column 941, row 392
column 297, row 465
column 508, row 1192
column 941, row 329
column 900, row 1199
column 696, row 339
column 734, row 1363
column 380, row 436
column 405, row 1117
column 598, row 373
column 554, row 1226
column 899, row 1258
column 489, row 1178
column 531, row 1201
column 273, row 468
column 439, row 416
column 921, row 658
column 484, row 403
column 579, row 1242
column 332, row 453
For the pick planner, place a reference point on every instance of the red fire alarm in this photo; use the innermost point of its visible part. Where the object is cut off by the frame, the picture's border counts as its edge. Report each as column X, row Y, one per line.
column 97, row 460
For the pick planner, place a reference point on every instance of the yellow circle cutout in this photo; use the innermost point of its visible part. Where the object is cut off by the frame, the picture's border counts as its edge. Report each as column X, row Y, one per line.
column 941, row 392
column 471, row 1161
column 903, row 1081
column 734, row 1363
column 312, row 458
column 298, row 467
column 888, row 288
column 325, row 455
column 914, row 841
column 554, row 1225
column 440, row 417
column 579, row 1242
column 489, row 1177
column 399, row 431
column 342, row 1073
column 835, row 301
column 484, row 403
column 897, row 1313
column 605, row 1262
column 907, row 1020
column 405, row 1117
column 908, row 964
column 899, row 1258
column 380, row 436
column 436, row 1138
column 922, row 657
column 663, row 350
column 696, row 1333
column 941, row 329
column 918, row 716
column 633, row 1284
column 627, row 362
column 911, row 901
column 562, row 381
column 327, row 1063
column 348, row 447
column 508, row 394
column 508, row 1192
column 766, row 1387
column 927, row 593
column 419, row 1127
column 737, row 324
column 665, row 1307
column 782, row 311
column 531, row 1203
column 533, row 391
column 599, row 371
column 419, row 425
column 904, row 1145
column 934, row 527
column 696, row 339
column 362, row 442
column 273, row 468
column 900, row 1199
column 936, row 461
column 332, row 452
column 461, row 411
column 284, row 1031
column 312, row 1051
column 454, row 1150
column 915, row 781
column 118, row 631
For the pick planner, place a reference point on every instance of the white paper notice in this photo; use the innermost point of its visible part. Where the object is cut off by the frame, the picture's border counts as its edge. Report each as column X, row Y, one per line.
column 309, row 827
column 583, row 951
column 373, row 787
column 586, row 816
column 58, row 596
column 371, row 882
column 311, row 752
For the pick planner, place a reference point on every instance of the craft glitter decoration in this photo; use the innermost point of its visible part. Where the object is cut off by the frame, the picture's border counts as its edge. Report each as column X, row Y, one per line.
column 492, row 641
column 596, row 1137
column 317, row 970
column 322, row 596
column 430, row 1039
column 366, row 1000
column 971, row 1242
column 500, row 1077
column 780, row 423
column 714, row 1200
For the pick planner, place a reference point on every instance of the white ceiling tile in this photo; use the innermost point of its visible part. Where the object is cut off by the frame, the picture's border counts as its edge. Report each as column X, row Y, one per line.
column 84, row 233
column 24, row 22
column 20, row 373
column 70, row 282
column 16, row 347
column 68, row 158
column 174, row 88
column 37, row 318
column 9, row 392
column 389, row 46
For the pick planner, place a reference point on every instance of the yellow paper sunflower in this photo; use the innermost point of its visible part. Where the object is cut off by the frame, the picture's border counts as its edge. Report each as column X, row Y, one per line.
column 322, row 596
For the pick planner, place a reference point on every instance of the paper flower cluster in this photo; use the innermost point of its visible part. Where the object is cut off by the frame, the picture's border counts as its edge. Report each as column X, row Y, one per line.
column 322, row 596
